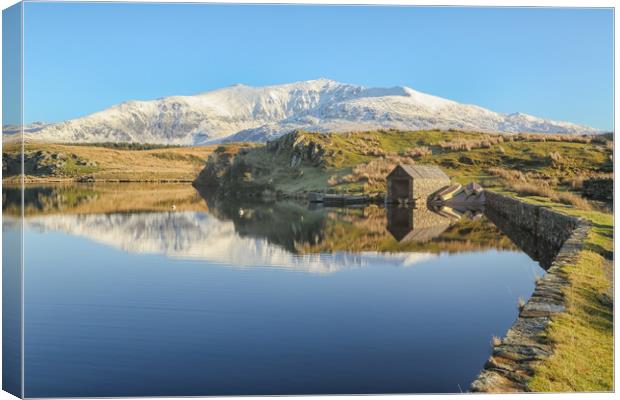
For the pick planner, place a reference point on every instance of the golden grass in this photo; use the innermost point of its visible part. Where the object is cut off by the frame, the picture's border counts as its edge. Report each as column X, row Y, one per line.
column 528, row 186
column 182, row 163
column 533, row 189
column 484, row 142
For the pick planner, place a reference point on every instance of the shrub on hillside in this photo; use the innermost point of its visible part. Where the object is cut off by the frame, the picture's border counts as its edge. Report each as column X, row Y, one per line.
column 484, row 142
column 417, row 152
column 521, row 184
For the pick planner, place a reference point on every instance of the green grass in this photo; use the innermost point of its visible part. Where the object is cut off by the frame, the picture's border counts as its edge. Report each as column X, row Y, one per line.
column 583, row 336
column 72, row 168
column 601, row 239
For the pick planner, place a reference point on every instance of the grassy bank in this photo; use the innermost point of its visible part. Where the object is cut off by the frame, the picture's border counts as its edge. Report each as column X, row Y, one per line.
column 46, row 162
column 583, row 335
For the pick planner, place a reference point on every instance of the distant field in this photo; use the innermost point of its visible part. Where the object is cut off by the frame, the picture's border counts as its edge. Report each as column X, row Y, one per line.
column 58, row 162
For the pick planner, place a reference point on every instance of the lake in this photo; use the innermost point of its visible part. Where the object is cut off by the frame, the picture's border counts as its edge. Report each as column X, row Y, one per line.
column 144, row 290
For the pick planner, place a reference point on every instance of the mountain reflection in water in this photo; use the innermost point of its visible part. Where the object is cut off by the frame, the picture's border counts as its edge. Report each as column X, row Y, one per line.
column 286, row 234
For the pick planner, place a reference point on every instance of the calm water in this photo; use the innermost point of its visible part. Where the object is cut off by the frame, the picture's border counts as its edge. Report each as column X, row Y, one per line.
column 143, row 291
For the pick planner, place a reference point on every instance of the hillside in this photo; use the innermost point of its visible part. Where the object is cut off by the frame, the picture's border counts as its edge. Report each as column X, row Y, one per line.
column 104, row 162
column 245, row 113
column 358, row 162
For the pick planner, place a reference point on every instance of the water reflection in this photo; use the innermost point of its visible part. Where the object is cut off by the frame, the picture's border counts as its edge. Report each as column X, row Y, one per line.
column 140, row 218
column 284, row 234
column 415, row 224
column 100, row 198
column 204, row 237
column 159, row 290
column 538, row 248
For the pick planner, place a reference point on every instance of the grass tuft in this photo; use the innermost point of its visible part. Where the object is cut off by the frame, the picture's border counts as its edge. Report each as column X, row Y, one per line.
column 520, row 303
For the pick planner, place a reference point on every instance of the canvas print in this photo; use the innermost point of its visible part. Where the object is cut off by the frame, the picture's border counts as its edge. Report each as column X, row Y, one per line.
column 232, row 199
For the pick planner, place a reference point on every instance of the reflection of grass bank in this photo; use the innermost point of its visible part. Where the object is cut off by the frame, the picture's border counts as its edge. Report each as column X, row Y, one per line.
column 100, row 198
column 583, row 335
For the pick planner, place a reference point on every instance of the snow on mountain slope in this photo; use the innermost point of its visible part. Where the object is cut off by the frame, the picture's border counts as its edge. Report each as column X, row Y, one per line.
column 242, row 112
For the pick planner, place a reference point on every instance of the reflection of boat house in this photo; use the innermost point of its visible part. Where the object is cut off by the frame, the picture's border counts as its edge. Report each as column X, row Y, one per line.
column 408, row 183
column 408, row 224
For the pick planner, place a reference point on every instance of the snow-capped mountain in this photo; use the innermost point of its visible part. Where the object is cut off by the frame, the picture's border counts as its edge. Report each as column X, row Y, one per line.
column 247, row 113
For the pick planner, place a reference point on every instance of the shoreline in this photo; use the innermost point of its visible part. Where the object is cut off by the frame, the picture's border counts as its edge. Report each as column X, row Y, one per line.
column 29, row 181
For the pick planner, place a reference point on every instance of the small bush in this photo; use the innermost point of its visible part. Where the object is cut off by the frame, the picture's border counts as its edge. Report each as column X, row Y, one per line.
column 521, row 303
column 485, row 142
column 520, row 183
column 555, row 158
column 533, row 189
column 417, row 152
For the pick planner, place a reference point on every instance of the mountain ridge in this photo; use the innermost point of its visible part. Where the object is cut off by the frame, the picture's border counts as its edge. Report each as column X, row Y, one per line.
column 245, row 113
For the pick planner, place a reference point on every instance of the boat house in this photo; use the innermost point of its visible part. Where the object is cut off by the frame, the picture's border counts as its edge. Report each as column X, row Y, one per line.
column 408, row 183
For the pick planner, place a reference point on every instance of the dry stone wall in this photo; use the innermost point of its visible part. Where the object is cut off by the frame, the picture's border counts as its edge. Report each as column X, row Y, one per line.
column 540, row 221
column 515, row 356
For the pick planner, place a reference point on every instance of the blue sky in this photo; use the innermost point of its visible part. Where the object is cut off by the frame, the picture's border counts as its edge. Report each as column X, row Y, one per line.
column 553, row 63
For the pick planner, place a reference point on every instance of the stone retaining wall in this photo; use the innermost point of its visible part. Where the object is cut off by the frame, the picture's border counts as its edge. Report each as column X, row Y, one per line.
column 540, row 221
column 514, row 357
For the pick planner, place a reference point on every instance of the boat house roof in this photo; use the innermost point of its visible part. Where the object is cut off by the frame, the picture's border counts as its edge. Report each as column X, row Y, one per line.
column 421, row 171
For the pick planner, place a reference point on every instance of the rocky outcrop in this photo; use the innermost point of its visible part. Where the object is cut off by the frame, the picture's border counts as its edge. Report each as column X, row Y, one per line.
column 599, row 189
column 216, row 167
column 298, row 147
column 247, row 171
column 525, row 346
column 44, row 163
